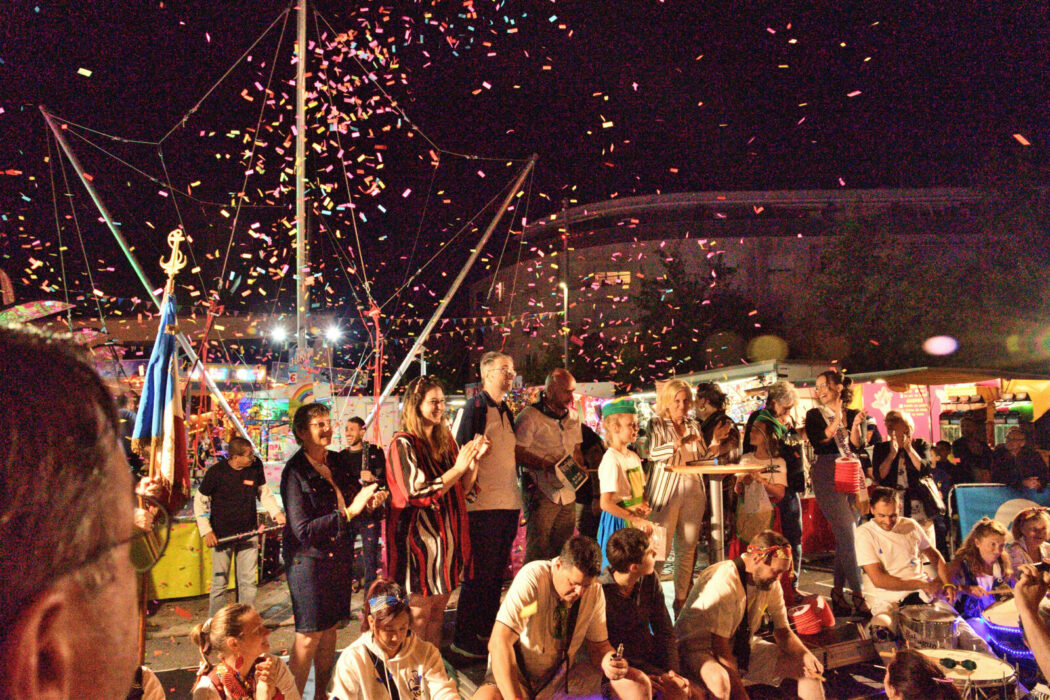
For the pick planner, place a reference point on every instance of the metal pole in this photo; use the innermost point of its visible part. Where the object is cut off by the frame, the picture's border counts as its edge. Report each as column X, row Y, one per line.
column 565, row 286
column 183, row 341
column 423, row 334
column 302, row 259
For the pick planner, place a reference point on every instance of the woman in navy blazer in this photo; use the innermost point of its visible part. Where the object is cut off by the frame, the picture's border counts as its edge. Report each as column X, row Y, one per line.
column 320, row 499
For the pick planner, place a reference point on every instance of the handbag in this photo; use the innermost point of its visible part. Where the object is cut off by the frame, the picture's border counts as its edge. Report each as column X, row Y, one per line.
column 930, row 496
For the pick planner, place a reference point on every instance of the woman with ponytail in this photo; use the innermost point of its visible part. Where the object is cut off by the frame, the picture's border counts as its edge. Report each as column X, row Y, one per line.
column 912, row 675
column 388, row 661
column 237, row 635
column 835, row 430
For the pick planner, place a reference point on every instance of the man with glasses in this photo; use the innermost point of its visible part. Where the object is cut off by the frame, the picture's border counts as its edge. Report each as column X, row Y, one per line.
column 493, row 517
column 68, row 618
column 224, row 506
column 547, row 432
column 1018, row 465
column 552, row 607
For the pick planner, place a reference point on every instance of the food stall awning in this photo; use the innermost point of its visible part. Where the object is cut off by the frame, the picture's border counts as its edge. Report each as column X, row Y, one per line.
column 1037, row 386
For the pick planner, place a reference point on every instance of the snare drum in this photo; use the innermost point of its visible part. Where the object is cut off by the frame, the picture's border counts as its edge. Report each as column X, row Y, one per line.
column 926, row 627
column 1003, row 614
column 991, row 680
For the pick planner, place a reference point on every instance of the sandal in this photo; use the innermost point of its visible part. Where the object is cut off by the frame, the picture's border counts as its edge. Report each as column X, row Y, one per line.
column 839, row 605
column 860, row 606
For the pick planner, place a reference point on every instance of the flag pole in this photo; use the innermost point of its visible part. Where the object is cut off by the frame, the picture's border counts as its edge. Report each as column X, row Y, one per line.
column 180, row 337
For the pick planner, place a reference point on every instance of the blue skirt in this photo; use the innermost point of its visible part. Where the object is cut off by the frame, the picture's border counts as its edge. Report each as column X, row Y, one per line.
column 607, row 525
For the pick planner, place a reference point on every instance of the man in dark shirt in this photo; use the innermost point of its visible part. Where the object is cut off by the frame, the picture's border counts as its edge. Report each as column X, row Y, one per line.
column 637, row 617
column 367, row 465
column 225, row 505
column 972, row 454
column 1018, row 465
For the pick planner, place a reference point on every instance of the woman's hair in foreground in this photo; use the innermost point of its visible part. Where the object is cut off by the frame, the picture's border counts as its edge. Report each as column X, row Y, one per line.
column 913, row 675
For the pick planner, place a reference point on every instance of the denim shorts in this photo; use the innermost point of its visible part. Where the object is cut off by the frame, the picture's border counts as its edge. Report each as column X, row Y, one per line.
column 320, row 590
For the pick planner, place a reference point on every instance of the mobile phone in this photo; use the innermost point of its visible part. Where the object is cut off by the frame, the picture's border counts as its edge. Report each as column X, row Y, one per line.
column 619, row 652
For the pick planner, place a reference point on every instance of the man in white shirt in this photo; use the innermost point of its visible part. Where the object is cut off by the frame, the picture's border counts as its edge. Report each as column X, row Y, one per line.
column 547, row 431
column 551, row 609
column 493, row 517
column 716, row 628
column 890, row 551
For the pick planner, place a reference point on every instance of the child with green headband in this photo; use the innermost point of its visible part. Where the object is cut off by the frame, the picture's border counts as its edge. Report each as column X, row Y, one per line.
column 620, row 476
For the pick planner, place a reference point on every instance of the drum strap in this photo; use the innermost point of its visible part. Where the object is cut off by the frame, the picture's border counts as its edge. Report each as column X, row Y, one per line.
column 742, row 636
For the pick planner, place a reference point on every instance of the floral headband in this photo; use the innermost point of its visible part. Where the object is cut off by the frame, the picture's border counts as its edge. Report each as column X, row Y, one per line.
column 778, row 551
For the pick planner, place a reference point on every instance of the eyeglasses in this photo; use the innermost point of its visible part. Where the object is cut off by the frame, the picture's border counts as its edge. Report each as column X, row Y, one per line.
column 320, row 423
column 506, row 370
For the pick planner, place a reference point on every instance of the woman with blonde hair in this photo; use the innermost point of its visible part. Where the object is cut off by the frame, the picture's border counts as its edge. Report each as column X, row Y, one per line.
column 678, row 501
column 1029, row 530
column 980, row 566
column 245, row 669
column 428, row 541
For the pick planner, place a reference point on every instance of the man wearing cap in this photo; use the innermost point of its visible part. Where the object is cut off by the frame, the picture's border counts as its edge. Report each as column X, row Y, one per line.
column 547, row 432
column 716, row 628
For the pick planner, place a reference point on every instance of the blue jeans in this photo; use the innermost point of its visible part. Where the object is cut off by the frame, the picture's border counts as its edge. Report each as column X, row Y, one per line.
column 247, row 554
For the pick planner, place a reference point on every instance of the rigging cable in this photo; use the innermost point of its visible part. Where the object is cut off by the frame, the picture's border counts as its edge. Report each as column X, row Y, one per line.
column 220, row 282
column 58, row 228
column 187, row 115
column 83, row 249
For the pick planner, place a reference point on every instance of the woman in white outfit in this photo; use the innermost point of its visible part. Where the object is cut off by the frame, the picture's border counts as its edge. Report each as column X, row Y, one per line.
column 678, row 501
column 388, row 661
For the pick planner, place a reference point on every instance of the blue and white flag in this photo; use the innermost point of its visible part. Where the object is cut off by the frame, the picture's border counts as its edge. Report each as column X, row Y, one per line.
column 160, row 426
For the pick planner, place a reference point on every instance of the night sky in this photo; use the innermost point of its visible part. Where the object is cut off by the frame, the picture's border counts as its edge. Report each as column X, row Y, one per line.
column 617, row 98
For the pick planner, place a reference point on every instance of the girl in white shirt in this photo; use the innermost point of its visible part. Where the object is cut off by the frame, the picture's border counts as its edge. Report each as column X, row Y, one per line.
column 388, row 661
column 620, row 476
column 245, row 670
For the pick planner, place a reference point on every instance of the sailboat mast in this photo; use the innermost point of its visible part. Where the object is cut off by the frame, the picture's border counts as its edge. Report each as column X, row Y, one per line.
column 302, row 260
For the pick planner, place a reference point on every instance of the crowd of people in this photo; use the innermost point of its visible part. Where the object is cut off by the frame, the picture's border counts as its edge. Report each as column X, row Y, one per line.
column 450, row 506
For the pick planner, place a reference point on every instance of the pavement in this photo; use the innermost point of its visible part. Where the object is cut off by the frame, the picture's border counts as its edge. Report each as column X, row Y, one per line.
column 171, row 654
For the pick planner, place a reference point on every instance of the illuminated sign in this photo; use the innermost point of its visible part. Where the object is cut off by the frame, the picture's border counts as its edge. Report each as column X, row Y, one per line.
column 246, row 374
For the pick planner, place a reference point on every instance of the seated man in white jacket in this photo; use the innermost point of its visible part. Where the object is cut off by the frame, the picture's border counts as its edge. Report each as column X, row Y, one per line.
column 388, row 662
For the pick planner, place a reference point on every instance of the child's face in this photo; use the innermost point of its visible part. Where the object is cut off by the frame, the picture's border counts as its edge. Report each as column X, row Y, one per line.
column 626, row 429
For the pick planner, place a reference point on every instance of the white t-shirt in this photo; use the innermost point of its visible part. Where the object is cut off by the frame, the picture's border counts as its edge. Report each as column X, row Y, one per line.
column 777, row 477
column 898, row 550
column 528, row 609
column 621, row 475
column 716, row 606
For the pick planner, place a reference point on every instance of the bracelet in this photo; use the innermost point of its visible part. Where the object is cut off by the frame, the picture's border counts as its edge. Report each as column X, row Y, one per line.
column 951, row 586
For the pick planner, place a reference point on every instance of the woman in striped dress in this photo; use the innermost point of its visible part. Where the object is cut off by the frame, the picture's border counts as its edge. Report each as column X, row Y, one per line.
column 678, row 500
column 428, row 542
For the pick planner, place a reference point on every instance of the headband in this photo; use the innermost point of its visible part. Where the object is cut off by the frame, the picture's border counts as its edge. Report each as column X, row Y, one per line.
column 381, row 602
column 778, row 551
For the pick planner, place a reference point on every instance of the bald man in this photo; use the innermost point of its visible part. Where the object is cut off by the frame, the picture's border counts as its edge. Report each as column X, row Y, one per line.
column 546, row 432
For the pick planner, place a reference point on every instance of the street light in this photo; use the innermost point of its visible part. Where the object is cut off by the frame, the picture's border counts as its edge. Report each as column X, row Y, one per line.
column 333, row 334
column 565, row 324
column 279, row 334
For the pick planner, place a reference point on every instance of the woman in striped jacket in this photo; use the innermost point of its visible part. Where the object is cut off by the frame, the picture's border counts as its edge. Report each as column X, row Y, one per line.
column 678, row 501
